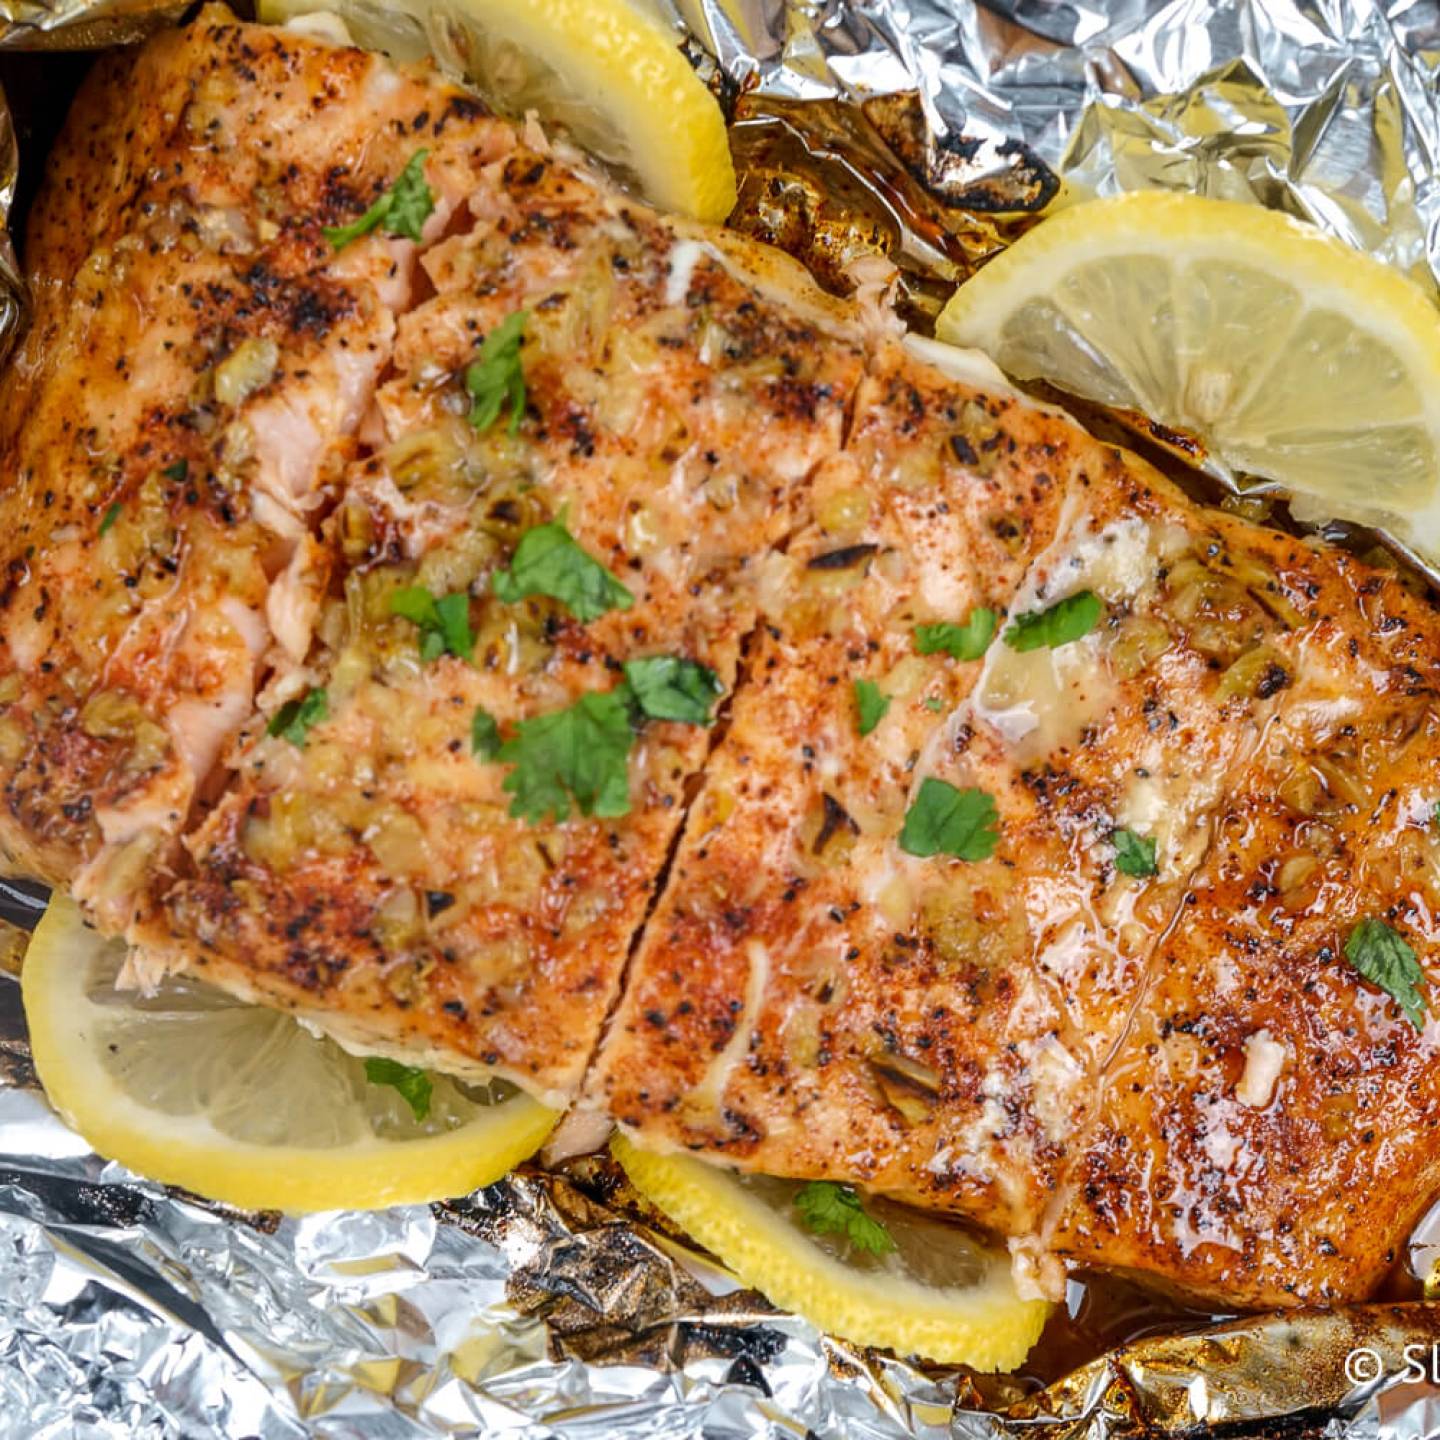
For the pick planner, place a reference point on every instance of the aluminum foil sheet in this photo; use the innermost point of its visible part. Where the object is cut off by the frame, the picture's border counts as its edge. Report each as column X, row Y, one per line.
column 81, row 24
column 552, row 1305
column 542, row 1308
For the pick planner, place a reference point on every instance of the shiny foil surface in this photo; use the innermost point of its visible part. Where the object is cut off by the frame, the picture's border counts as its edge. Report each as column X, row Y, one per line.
column 547, row 1306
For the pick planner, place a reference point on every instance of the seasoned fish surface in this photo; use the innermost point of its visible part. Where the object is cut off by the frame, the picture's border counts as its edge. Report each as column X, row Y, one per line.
column 199, row 362
column 1268, row 1128
column 460, row 632
column 936, row 1026
column 375, row 878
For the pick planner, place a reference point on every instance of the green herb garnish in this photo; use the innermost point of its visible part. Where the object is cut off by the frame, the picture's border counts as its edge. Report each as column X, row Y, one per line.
column 484, row 734
column 178, row 471
column 548, row 561
column 667, row 687
column 1066, row 620
column 414, row 1085
column 1134, row 854
column 400, row 211
column 829, row 1208
column 961, row 642
column 444, row 620
column 292, row 721
column 1382, row 956
column 871, row 703
column 947, row 821
column 580, row 753
column 111, row 515
column 496, row 375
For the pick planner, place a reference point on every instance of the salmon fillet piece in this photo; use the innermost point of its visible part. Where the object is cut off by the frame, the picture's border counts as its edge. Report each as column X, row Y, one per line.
column 936, row 1027
column 1178, row 1073
column 376, row 880
column 199, row 361
column 1115, row 1023
column 1267, row 1130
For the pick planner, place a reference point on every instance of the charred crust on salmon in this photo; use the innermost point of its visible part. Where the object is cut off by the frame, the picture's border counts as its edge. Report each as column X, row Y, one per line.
column 1033, row 1039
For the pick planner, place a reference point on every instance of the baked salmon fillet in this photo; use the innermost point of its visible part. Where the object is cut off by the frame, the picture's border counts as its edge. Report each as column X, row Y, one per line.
column 390, row 871
column 186, row 396
column 936, row 1024
column 533, row 637
column 1268, row 1128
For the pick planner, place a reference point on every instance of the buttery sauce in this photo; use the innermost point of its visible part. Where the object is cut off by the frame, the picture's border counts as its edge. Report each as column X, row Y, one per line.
column 1101, row 1312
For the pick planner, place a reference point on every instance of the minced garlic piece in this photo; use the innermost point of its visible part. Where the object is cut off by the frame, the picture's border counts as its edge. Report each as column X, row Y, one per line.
column 1264, row 1060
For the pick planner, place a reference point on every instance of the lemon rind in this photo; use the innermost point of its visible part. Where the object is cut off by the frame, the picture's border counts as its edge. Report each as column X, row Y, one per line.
column 189, row 1152
column 989, row 1328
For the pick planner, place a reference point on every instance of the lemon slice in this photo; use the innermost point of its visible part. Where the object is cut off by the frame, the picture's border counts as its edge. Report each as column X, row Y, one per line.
column 242, row 1104
column 939, row 1294
column 608, row 71
column 1293, row 357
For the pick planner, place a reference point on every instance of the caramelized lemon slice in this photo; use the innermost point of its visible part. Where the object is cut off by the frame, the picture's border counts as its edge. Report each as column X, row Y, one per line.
column 939, row 1293
column 242, row 1104
column 1292, row 356
column 608, row 71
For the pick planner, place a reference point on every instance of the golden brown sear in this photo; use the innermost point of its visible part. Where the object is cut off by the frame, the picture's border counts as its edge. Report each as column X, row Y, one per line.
column 1268, row 1128
column 451, row 601
column 670, row 411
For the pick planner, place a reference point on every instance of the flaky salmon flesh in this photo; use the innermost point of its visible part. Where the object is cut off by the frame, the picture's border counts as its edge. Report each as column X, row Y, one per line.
column 507, row 628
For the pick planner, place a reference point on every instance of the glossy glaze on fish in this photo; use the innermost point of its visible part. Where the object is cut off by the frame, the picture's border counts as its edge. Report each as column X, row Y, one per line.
column 1125, row 1035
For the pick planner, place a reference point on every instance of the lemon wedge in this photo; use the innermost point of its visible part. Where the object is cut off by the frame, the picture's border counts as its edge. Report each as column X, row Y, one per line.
column 241, row 1104
column 939, row 1293
column 607, row 71
column 1292, row 357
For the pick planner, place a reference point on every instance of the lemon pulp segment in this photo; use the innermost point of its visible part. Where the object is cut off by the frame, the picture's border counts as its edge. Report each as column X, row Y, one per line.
column 1294, row 358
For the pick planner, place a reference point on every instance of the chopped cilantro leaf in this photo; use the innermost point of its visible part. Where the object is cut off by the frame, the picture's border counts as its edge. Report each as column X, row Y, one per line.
column 667, row 687
column 1066, row 620
column 454, row 613
column 944, row 820
column 484, row 734
column 416, row 604
column 1134, row 854
column 580, row 753
column 178, row 471
column 961, row 642
column 496, row 375
column 414, row 1085
column 444, row 621
column 829, row 1208
column 871, row 703
column 547, row 561
column 294, row 718
column 400, row 211
column 1382, row 956
column 934, row 704
column 111, row 515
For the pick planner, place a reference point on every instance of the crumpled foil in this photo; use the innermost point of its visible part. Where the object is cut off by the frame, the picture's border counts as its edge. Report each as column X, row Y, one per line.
column 553, row 1304
column 10, row 285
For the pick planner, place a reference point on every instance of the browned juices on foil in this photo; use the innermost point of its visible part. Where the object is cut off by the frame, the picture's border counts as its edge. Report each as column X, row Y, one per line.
column 232, row 444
